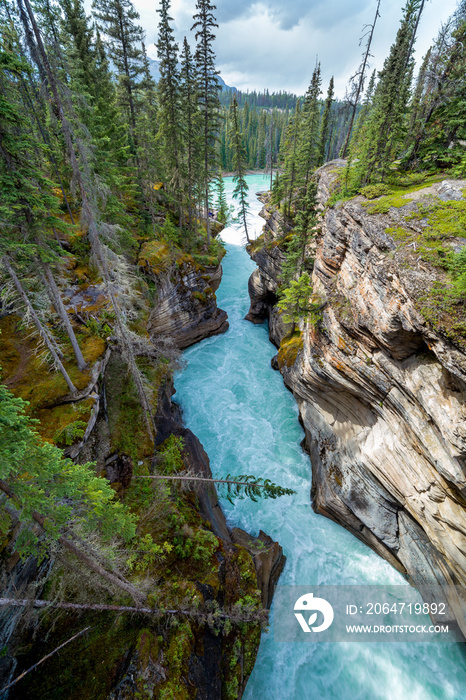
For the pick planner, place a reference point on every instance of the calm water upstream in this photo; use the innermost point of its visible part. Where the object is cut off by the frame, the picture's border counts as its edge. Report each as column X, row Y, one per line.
column 248, row 423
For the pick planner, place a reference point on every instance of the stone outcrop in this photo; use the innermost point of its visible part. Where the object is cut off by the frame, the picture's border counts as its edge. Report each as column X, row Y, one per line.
column 381, row 393
column 186, row 308
column 128, row 657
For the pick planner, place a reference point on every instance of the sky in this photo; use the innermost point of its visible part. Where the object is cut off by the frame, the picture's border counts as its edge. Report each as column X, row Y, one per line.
column 274, row 44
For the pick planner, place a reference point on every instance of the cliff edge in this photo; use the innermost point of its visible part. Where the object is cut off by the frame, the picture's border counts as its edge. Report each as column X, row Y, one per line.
column 380, row 379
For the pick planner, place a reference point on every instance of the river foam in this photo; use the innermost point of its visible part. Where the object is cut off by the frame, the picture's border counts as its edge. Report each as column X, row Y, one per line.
column 248, row 423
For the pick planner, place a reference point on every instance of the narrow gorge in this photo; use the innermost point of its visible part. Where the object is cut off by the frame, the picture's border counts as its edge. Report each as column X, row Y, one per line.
column 380, row 390
column 248, row 422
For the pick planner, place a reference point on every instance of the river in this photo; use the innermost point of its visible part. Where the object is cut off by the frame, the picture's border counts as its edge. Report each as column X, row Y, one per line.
column 248, row 423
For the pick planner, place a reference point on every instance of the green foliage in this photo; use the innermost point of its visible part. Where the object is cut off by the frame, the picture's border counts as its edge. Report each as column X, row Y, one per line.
column 373, row 191
column 240, row 191
column 70, row 433
column 43, row 480
column 296, row 303
column 254, row 488
column 374, row 147
column 223, row 210
column 170, row 455
column 199, row 545
column 384, row 204
column 146, row 552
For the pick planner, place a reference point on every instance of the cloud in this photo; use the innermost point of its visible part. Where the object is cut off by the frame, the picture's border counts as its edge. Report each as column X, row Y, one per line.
column 274, row 43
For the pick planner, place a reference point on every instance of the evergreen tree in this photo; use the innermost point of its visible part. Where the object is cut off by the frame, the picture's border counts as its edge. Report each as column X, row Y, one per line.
column 47, row 490
column 308, row 145
column 191, row 117
column 240, row 191
column 117, row 20
column 325, row 136
column 29, row 207
column 296, row 303
column 170, row 125
column 290, row 151
column 358, row 80
column 223, row 212
column 90, row 216
column 386, row 123
column 208, row 93
column 437, row 119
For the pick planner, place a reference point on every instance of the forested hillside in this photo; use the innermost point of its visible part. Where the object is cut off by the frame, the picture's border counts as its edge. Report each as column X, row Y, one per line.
column 109, row 266
column 399, row 133
column 111, row 202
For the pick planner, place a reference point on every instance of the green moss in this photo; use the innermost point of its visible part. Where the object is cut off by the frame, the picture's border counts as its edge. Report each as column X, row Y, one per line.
column 373, row 191
column 125, row 416
column 447, row 219
column 200, row 296
column 256, row 245
column 155, row 257
column 384, row 204
column 290, row 346
column 65, row 424
column 398, row 233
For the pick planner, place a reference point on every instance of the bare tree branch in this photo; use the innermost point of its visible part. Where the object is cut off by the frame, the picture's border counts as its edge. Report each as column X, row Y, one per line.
column 44, row 658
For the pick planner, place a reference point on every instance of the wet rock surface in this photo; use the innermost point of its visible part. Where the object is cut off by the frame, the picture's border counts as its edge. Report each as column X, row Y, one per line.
column 381, row 395
column 186, row 308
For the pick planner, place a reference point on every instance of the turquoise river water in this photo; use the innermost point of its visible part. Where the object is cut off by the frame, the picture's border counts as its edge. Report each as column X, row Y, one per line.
column 248, row 423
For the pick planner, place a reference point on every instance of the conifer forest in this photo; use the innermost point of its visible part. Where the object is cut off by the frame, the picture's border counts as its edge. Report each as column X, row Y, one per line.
column 121, row 577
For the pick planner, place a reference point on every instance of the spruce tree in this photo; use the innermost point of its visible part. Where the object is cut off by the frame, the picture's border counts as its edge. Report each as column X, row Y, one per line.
column 91, row 218
column 308, row 146
column 117, row 20
column 209, row 88
column 387, row 122
column 221, row 203
column 191, row 117
column 358, row 80
column 169, row 97
column 325, row 125
column 240, row 191
column 438, row 124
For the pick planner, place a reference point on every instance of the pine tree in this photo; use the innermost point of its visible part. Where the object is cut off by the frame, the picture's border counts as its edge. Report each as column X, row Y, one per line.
column 437, row 123
column 29, row 208
column 90, row 217
column 289, row 153
column 48, row 491
column 325, row 125
column 170, row 124
column 386, row 123
column 240, row 191
column 191, row 116
column 308, row 146
column 208, row 93
column 223, row 212
column 117, row 20
column 358, row 80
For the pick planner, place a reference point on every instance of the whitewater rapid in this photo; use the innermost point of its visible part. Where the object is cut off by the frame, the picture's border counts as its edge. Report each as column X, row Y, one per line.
column 248, row 423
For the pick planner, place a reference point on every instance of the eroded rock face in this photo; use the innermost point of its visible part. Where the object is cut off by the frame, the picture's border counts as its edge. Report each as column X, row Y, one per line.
column 382, row 399
column 186, row 309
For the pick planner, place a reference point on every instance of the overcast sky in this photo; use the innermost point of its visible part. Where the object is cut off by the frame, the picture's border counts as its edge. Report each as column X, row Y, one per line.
column 274, row 43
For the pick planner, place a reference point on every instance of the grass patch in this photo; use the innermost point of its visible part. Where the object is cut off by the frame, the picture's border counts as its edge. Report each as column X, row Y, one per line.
column 384, row 204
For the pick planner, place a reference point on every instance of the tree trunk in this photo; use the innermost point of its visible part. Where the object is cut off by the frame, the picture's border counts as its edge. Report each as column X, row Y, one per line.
column 89, row 218
column 361, row 80
column 43, row 333
column 117, row 581
column 61, row 311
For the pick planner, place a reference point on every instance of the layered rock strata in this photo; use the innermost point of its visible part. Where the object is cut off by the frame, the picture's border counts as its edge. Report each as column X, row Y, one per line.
column 186, row 310
column 381, row 393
